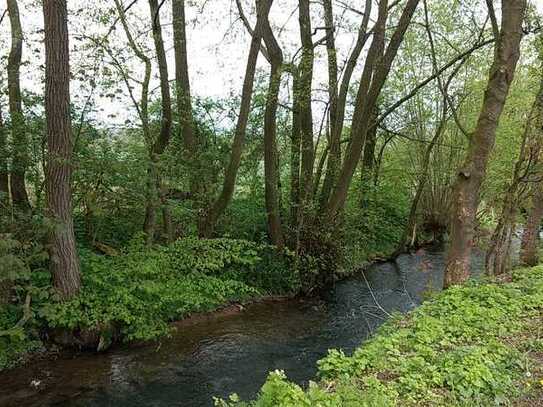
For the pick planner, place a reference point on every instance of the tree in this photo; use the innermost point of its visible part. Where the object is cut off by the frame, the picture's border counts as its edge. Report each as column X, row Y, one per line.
column 376, row 68
column 225, row 196
column 64, row 261
column 163, row 139
column 184, row 100
column 18, row 133
column 472, row 172
column 525, row 173
column 529, row 255
column 271, row 175
column 4, row 174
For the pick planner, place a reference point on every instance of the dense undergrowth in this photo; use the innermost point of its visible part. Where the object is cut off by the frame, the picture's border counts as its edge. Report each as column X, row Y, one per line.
column 138, row 292
column 476, row 345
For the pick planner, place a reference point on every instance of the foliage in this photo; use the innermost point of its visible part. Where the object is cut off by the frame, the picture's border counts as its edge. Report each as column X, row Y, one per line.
column 467, row 346
column 373, row 228
column 145, row 288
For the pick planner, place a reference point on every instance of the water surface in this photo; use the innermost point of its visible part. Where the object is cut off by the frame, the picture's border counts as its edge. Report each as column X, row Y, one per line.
column 232, row 353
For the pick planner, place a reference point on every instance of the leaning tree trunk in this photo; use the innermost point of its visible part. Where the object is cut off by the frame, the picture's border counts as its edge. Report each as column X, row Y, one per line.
column 530, row 237
column 19, row 160
column 62, row 248
column 216, row 210
column 498, row 254
column 471, row 174
column 271, row 172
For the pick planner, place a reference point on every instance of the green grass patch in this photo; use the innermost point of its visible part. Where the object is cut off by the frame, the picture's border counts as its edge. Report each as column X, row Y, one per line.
column 474, row 345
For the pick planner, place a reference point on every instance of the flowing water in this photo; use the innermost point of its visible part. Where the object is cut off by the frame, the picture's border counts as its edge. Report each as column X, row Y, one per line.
column 232, row 353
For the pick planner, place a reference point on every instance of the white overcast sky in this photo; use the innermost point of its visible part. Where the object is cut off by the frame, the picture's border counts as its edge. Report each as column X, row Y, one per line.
column 217, row 44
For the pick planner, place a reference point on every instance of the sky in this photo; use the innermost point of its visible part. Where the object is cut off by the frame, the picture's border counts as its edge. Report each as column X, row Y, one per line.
column 217, row 46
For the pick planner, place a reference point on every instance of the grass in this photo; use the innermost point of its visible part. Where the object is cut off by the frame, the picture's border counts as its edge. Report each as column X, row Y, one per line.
column 476, row 345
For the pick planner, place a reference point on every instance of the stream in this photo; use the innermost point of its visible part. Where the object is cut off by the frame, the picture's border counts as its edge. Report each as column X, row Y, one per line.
column 232, row 353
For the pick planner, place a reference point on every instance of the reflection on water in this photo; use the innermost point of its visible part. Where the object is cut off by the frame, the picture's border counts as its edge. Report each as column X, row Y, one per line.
column 233, row 353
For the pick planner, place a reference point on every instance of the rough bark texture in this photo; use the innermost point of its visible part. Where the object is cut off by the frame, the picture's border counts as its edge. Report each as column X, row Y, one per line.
column 62, row 249
column 271, row 173
column 19, row 153
column 4, row 156
column 305, row 70
column 229, row 183
column 336, row 127
column 530, row 237
column 295, row 153
column 373, row 78
column 334, row 152
column 498, row 254
column 184, row 99
column 163, row 139
column 471, row 174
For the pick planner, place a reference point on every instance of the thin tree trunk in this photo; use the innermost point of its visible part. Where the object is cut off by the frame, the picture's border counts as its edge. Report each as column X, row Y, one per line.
column 529, row 255
column 225, row 196
column 4, row 156
column 149, row 225
column 271, row 173
column 305, row 70
column 19, row 160
column 334, row 161
column 295, row 152
column 334, row 153
column 64, row 261
column 471, row 174
column 163, row 140
column 374, row 75
column 498, row 254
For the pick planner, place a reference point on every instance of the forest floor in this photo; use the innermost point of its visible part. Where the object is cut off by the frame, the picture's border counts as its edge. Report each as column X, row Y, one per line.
column 476, row 345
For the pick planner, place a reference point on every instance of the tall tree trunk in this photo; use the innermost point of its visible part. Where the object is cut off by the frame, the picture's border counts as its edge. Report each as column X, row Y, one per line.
column 305, row 70
column 271, row 173
column 337, row 128
column 163, row 140
column 295, row 152
column 498, row 254
column 334, row 153
column 19, row 160
column 62, row 248
column 375, row 72
column 229, row 183
column 184, row 100
column 530, row 237
column 471, row 174
column 149, row 225
column 4, row 156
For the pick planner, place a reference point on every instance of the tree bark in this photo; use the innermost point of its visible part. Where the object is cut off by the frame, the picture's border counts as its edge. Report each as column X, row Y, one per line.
column 336, row 129
column 4, row 156
column 305, row 70
column 64, row 261
column 149, row 224
column 498, row 254
column 271, row 173
column 530, row 238
column 184, row 100
column 19, row 160
column 295, row 152
column 224, row 198
column 471, row 174
column 375, row 72
column 163, row 139
column 334, row 153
